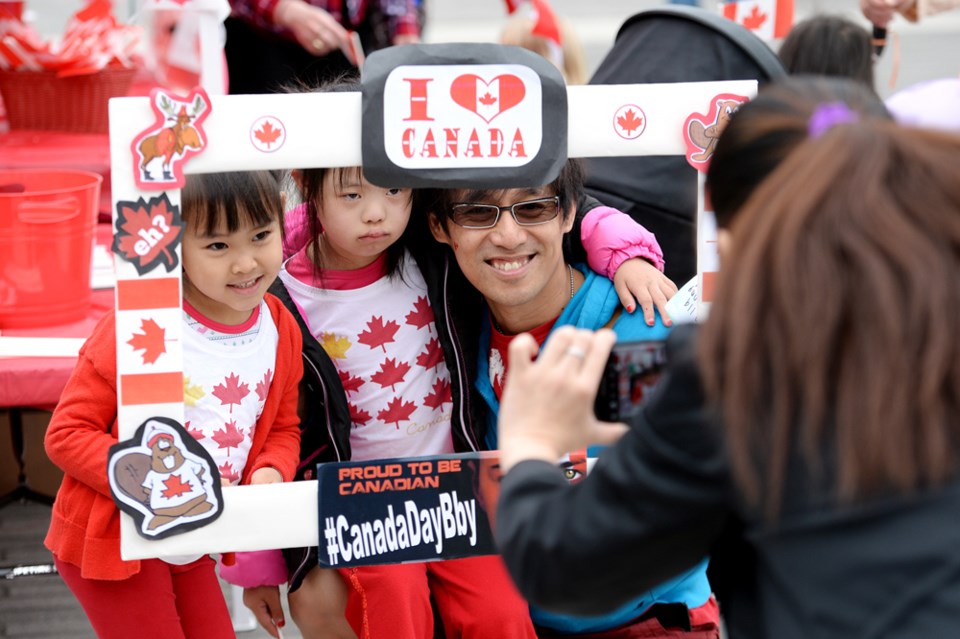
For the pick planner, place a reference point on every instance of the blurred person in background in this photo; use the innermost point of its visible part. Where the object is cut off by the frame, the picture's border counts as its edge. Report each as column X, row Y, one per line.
column 533, row 25
column 829, row 45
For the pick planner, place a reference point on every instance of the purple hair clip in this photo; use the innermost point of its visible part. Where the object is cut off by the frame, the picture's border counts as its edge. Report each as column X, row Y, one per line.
column 828, row 115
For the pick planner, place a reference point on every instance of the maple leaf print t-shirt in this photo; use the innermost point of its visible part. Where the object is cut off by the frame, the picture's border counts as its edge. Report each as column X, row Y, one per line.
column 381, row 335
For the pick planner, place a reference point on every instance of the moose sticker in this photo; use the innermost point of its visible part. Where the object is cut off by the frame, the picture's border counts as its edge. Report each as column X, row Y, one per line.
column 701, row 131
column 164, row 479
column 148, row 233
column 160, row 150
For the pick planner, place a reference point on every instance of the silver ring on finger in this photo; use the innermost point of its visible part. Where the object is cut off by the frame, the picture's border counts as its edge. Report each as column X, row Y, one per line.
column 575, row 351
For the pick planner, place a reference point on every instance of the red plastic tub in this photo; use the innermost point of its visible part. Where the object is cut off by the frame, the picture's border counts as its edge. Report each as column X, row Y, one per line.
column 47, row 223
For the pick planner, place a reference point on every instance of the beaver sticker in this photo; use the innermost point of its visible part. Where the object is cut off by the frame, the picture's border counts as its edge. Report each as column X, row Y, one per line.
column 160, row 150
column 702, row 131
column 164, row 479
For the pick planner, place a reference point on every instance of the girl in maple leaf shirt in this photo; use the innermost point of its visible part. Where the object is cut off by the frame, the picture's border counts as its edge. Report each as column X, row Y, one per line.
column 389, row 375
column 242, row 368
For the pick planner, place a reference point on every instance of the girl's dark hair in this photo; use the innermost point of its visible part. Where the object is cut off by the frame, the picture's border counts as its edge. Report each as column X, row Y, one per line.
column 829, row 45
column 311, row 190
column 217, row 201
column 768, row 128
column 833, row 334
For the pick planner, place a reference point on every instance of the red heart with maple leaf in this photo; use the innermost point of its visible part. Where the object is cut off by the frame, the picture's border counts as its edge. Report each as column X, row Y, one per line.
column 487, row 99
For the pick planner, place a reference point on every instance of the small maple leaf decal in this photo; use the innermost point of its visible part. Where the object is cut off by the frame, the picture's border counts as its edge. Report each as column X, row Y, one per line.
column 336, row 346
column 390, row 373
column 150, row 341
column 147, row 233
column 263, row 386
column 440, row 395
column 357, row 416
column 231, row 391
column 196, row 433
column 192, row 393
column 396, row 411
column 378, row 333
column 755, row 19
column 228, row 437
column 629, row 122
column 267, row 133
column 432, row 355
column 176, row 486
column 421, row 315
column 228, row 472
column 350, row 383
column 487, row 99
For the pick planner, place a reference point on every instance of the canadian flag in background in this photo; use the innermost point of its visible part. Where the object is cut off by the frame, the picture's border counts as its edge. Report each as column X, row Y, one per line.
column 769, row 19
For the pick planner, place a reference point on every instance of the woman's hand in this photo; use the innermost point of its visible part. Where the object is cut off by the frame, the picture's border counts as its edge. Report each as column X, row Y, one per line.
column 881, row 12
column 638, row 279
column 316, row 30
column 547, row 405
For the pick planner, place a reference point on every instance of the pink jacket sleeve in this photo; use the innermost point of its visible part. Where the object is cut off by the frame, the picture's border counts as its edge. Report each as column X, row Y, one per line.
column 610, row 237
column 253, row 569
column 296, row 230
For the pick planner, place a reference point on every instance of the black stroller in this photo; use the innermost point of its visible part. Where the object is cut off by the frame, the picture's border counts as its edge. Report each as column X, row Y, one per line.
column 671, row 44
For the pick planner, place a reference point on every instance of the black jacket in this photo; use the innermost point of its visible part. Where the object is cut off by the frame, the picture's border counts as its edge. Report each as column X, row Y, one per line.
column 663, row 497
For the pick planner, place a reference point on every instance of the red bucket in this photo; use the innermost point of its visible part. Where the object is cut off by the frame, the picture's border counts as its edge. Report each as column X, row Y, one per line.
column 47, row 224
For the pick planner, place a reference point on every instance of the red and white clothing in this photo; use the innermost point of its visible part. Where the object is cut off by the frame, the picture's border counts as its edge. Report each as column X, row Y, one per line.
column 380, row 333
column 227, row 384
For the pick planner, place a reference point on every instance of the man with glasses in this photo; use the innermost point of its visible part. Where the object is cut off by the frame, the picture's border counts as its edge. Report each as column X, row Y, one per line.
column 509, row 246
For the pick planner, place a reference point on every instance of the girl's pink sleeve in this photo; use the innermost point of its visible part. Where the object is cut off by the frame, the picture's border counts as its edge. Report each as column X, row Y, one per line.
column 296, row 230
column 610, row 237
column 257, row 568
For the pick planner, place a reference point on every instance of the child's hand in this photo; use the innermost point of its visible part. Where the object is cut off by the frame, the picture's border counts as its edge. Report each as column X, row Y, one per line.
column 638, row 278
column 266, row 475
column 264, row 602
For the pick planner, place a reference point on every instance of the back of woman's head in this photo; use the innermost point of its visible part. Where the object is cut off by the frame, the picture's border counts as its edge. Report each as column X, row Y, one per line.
column 829, row 45
column 836, row 318
column 765, row 130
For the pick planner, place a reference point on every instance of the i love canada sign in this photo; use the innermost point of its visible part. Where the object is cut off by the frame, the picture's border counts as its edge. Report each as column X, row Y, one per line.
column 463, row 123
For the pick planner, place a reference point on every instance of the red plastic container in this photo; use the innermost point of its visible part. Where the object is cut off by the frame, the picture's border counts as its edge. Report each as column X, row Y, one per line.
column 47, row 224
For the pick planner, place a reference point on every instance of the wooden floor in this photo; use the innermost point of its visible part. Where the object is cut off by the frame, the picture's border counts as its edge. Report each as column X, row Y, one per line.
column 41, row 607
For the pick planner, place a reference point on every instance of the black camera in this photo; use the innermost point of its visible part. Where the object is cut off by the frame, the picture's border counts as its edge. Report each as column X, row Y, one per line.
column 631, row 374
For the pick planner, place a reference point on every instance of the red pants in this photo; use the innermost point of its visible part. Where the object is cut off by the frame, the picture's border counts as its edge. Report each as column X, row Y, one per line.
column 162, row 601
column 475, row 598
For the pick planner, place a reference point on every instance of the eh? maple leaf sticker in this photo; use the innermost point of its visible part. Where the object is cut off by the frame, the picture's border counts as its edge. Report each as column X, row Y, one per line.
column 148, row 233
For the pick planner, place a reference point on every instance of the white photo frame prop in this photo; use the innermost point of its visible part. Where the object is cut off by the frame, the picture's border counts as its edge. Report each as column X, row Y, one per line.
column 315, row 130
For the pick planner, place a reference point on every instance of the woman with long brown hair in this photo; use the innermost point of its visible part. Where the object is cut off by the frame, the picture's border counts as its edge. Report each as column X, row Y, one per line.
column 814, row 420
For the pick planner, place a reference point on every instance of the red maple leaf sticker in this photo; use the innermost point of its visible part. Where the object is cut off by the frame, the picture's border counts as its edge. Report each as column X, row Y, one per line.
column 432, row 355
column 176, row 486
column 228, row 472
column 231, row 391
column 197, row 434
column 396, row 411
column 378, row 333
column 229, row 437
column 148, row 233
column 487, row 99
column 263, row 386
column 390, row 373
column 267, row 133
column 755, row 19
column 421, row 315
column 629, row 122
column 440, row 395
column 350, row 383
column 357, row 416
column 150, row 341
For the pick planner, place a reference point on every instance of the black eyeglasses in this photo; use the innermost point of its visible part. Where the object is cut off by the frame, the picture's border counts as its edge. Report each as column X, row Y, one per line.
column 486, row 216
